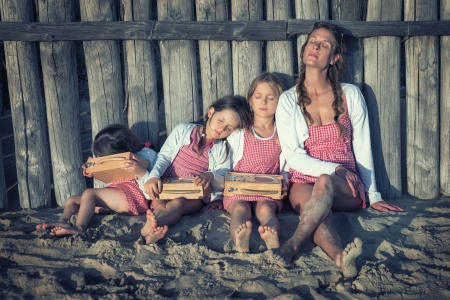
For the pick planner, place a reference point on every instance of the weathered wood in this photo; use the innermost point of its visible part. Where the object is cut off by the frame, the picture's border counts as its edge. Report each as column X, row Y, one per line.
column 179, row 68
column 140, row 77
column 247, row 55
column 103, row 68
column 422, row 95
column 351, row 10
column 308, row 10
column 3, row 195
column 280, row 54
column 445, row 104
column 59, row 71
column 27, row 108
column 215, row 56
column 382, row 94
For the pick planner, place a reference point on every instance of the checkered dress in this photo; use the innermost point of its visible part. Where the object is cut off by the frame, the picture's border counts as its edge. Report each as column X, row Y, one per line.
column 324, row 144
column 137, row 203
column 187, row 163
column 261, row 156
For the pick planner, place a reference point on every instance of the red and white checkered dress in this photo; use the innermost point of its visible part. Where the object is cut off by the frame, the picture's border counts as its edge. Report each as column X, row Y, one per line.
column 324, row 144
column 137, row 203
column 261, row 156
column 187, row 163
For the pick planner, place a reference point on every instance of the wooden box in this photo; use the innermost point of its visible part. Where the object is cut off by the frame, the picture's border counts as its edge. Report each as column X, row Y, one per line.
column 253, row 184
column 109, row 168
column 182, row 187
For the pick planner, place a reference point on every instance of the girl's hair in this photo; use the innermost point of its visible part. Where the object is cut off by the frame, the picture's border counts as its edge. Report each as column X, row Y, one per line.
column 275, row 83
column 334, row 74
column 240, row 107
column 114, row 139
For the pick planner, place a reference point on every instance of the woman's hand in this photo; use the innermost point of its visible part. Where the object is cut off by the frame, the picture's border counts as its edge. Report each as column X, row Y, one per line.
column 384, row 206
column 136, row 166
column 218, row 204
column 351, row 178
column 204, row 179
column 153, row 187
column 84, row 167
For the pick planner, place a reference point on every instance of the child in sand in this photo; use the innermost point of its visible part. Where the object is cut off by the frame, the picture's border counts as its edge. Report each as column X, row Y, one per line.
column 256, row 150
column 122, row 196
column 193, row 151
column 324, row 134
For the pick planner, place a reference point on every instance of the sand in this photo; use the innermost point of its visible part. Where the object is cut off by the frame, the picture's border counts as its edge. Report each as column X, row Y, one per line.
column 405, row 256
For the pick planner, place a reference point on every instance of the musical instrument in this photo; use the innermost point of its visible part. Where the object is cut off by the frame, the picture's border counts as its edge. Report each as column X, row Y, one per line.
column 109, row 168
column 253, row 184
column 182, row 187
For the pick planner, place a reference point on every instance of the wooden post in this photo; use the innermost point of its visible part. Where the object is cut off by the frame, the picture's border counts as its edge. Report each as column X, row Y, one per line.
column 247, row 55
column 382, row 94
column 140, row 77
column 422, row 96
column 215, row 56
column 179, row 68
column 309, row 10
column 27, row 109
column 351, row 10
column 3, row 195
column 445, row 104
column 280, row 54
column 59, row 71
column 103, row 68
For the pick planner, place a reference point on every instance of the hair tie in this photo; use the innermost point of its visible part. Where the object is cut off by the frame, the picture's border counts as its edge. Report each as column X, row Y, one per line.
column 336, row 118
column 147, row 144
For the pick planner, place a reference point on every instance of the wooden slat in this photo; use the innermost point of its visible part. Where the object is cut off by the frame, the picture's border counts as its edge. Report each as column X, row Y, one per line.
column 445, row 104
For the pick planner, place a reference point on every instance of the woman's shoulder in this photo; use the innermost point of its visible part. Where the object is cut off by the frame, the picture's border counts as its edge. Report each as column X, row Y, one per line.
column 290, row 93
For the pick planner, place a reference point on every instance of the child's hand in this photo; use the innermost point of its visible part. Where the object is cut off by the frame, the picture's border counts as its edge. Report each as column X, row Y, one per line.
column 204, row 179
column 153, row 187
column 136, row 166
column 85, row 173
column 218, row 204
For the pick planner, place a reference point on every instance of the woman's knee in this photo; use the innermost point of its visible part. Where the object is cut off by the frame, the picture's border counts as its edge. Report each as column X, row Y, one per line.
column 324, row 184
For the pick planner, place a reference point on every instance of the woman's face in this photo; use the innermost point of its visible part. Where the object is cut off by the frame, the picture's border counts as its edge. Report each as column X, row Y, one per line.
column 221, row 123
column 319, row 49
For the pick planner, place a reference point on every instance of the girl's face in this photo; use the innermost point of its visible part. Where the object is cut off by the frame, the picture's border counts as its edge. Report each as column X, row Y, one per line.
column 221, row 123
column 319, row 50
column 264, row 101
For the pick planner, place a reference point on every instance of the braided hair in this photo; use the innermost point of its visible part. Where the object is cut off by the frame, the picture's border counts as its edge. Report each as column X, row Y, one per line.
column 334, row 75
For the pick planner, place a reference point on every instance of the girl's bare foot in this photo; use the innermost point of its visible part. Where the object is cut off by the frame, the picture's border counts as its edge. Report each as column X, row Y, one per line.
column 243, row 233
column 349, row 255
column 61, row 231
column 269, row 236
column 151, row 223
column 156, row 234
column 59, row 223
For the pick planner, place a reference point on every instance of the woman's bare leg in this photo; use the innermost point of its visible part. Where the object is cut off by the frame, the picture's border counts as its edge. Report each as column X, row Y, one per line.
column 240, row 224
column 269, row 230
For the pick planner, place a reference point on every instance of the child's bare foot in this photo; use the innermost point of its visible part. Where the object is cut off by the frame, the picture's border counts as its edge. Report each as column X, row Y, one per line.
column 269, row 236
column 151, row 223
column 61, row 231
column 60, row 223
column 349, row 255
column 243, row 233
column 156, row 234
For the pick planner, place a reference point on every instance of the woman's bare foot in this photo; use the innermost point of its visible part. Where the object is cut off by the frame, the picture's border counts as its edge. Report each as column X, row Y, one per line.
column 60, row 223
column 243, row 233
column 349, row 255
column 156, row 234
column 283, row 254
column 269, row 236
column 62, row 231
column 151, row 223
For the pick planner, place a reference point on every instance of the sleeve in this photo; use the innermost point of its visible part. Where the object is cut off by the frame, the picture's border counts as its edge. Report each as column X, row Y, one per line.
column 362, row 147
column 222, row 164
column 150, row 156
column 293, row 131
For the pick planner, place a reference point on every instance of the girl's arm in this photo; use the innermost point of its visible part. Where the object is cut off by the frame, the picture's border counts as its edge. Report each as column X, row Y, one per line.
column 292, row 132
column 150, row 156
column 219, row 165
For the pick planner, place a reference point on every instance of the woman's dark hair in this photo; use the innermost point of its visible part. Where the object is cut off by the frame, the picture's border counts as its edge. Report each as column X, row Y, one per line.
column 114, row 139
column 228, row 102
column 334, row 74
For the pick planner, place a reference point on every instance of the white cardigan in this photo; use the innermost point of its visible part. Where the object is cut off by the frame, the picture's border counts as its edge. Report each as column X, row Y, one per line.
column 236, row 141
column 181, row 136
column 293, row 131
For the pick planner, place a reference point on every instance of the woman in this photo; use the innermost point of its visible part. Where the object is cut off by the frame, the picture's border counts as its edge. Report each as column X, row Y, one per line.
column 324, row 134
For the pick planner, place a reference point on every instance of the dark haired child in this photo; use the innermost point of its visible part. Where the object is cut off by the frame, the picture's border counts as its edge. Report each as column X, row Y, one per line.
column 122, row 196
column 193, row 150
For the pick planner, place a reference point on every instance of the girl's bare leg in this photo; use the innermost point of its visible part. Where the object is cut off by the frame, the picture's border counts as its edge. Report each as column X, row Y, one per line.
column 269, row 229
column 70, row 208
column 240, row 224
column 110, row 198
column 175, row 209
